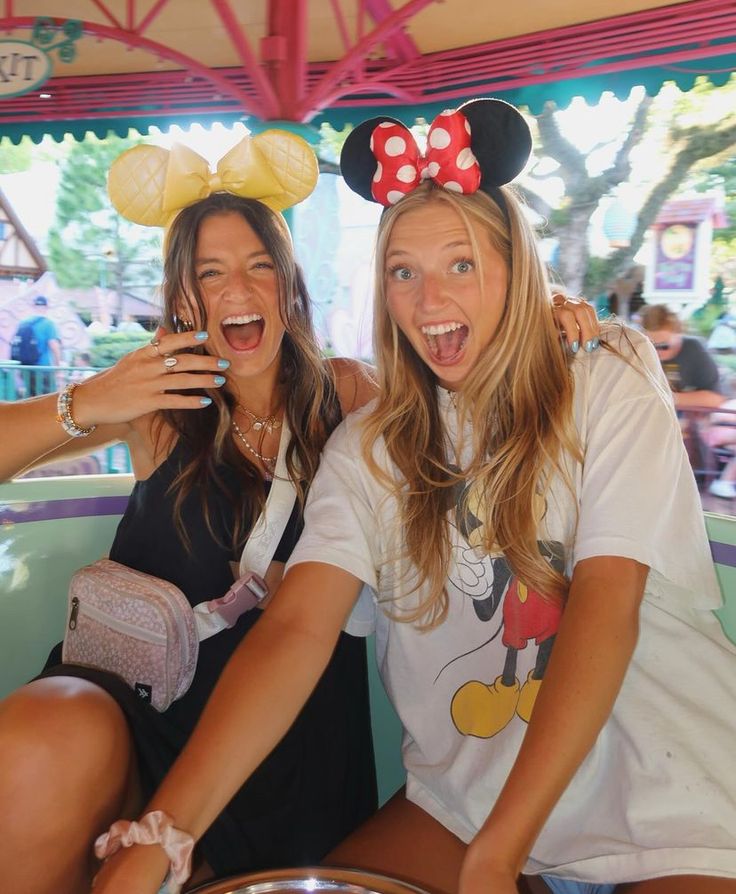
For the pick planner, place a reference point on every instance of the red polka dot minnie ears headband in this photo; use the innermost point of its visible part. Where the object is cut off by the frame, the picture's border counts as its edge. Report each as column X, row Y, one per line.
column 482, row 145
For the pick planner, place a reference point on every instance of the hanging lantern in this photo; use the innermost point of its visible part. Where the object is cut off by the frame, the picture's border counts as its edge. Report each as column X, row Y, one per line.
column 619, row 223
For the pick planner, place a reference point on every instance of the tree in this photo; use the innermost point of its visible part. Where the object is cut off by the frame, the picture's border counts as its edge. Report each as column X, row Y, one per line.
column 689, row 136
column 90, row 243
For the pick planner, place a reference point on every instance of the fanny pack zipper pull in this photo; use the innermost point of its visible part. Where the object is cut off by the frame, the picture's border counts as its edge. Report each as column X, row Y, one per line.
column 74, row 613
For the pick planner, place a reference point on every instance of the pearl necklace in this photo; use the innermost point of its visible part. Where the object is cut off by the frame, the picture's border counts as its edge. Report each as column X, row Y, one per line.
column 270, row 423
column 268, row 461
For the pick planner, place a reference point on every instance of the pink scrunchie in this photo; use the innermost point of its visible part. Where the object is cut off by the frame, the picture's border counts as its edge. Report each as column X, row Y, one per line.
column 155, row 827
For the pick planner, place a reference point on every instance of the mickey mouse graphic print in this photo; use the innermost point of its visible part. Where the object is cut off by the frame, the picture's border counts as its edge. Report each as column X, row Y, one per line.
column 465, row 689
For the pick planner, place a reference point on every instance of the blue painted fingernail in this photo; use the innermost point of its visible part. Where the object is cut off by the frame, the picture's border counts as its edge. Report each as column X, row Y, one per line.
column 597, row 343
column 575, row 347
column 201, row 336
column 205, row 401
column 590, row 345
column 223, row 364
column 220, row 380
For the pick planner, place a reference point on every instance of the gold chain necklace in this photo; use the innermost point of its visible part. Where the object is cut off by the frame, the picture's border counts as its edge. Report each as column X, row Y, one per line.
column 270, row 423
column 268, row 461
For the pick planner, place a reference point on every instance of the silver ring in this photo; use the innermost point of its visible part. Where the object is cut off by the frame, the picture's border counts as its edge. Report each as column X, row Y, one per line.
column 170, row 362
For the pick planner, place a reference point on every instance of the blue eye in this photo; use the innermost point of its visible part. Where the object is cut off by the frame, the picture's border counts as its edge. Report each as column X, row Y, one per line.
column 207, row 274
column 465, row 265
column 403, row 274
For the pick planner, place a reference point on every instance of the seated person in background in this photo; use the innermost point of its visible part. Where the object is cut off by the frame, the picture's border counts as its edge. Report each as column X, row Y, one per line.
column 82, row 367
column 722, row 433
column 690, row 370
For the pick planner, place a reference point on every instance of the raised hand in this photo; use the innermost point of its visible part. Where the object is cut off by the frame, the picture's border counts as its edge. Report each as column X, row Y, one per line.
column 577, row 321
column 150, row 379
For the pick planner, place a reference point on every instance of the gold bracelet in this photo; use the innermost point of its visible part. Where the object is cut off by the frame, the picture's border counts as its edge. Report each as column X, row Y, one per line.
column 64, row 414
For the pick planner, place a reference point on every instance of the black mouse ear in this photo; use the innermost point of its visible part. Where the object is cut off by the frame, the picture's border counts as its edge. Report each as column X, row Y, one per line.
column 500, row 139
column 358, row 164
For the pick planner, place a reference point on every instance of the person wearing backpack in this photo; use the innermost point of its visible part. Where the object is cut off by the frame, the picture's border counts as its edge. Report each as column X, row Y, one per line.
column 36, row 343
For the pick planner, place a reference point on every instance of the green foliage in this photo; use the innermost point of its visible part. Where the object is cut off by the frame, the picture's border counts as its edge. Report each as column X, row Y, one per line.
column 704, row 318
column 90, row 244
column 331, row 142
column 108, row 349
column 15, row 158
column 598, row 272
column 722, row 176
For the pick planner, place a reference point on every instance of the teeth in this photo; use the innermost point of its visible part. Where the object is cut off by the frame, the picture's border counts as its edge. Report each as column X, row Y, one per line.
column 241, row 320
column 440, row 328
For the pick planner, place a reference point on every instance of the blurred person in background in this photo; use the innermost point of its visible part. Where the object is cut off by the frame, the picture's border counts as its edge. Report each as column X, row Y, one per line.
column 690, row 370
column 37, row 343
column 692, row 375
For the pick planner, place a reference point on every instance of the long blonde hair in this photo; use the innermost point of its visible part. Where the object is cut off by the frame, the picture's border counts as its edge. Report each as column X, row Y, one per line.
column 518, row 400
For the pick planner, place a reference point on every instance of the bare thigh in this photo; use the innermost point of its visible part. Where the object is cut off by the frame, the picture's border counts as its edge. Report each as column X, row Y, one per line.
column 67, row 766
column 403, row 841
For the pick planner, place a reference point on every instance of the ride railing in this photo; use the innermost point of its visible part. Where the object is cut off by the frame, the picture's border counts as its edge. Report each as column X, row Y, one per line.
column 18, row 381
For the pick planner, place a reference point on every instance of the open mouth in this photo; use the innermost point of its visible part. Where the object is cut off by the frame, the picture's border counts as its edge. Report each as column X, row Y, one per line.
column 243, row 332
column 445, row 340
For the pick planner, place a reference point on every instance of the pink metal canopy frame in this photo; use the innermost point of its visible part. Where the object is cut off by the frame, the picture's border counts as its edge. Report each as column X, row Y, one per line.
column 276, row 82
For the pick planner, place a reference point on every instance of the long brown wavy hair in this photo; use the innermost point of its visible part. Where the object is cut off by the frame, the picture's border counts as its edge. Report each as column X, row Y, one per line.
column 306, row 385
column 518, row 400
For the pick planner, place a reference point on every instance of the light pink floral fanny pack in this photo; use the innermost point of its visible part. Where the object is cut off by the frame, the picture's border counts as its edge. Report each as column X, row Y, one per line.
column 144, row 630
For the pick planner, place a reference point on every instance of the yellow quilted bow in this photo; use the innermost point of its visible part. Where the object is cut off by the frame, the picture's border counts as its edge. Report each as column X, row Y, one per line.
column 150, row 185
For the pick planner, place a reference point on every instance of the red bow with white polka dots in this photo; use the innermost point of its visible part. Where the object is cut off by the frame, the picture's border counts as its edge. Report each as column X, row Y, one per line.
column 449, row 160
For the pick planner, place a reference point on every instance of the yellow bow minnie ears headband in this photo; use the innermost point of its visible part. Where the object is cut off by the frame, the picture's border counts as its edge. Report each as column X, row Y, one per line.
column 150, row 185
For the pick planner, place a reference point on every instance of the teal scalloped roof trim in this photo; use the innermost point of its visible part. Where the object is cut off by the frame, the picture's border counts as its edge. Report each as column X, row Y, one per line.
column 717, row 69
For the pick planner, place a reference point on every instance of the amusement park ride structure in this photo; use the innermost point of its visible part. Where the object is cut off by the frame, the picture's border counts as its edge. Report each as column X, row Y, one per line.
column 141, row 62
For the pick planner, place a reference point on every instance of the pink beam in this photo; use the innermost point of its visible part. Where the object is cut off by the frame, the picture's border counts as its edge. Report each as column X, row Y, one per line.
column 342, row 25
column 130, row 18
column 269, row 102
column 130, row 38
column 285, row 50
column 402, row 45
column 152, row 13
column 335, row 74
column 480, row 60
column 106, row 13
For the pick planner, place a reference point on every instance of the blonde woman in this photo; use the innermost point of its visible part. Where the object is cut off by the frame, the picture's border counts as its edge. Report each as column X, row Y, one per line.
column 543, row 585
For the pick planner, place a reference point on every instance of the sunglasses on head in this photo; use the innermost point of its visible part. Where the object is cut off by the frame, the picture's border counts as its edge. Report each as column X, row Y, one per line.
column 662, row 346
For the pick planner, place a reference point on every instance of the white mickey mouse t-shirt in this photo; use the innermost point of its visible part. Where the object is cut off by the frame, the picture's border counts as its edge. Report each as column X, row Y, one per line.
column 657, row 793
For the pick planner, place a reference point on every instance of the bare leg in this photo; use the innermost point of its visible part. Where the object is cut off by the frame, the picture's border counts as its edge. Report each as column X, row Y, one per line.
column 680, row 884
column 405, row 842
column 67, row 769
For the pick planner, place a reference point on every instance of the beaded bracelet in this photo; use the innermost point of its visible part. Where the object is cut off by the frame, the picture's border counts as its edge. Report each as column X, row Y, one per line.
column 64, row 414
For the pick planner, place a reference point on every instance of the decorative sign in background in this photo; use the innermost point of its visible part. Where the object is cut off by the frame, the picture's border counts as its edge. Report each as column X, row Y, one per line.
column 25, row 66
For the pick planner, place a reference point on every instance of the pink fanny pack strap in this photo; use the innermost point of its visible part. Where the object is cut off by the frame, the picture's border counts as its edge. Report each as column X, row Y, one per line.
column 250, row 588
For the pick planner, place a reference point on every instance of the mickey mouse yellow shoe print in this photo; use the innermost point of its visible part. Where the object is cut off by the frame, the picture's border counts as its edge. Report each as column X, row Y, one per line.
column 484, row 710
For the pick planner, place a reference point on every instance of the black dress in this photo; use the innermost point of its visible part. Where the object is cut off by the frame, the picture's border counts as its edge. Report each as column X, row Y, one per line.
column 319, row 782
